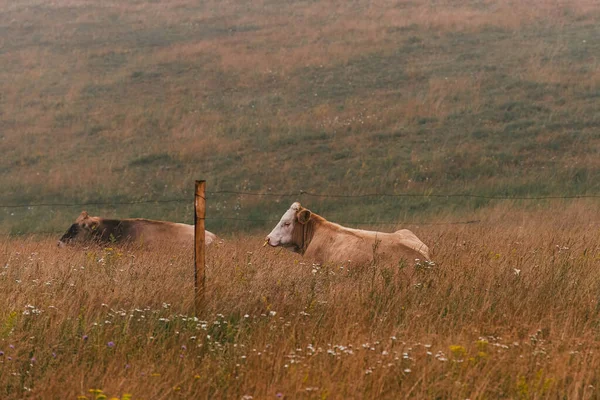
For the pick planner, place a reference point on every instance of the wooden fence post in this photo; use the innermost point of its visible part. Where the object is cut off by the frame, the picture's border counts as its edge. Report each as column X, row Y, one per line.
column 199, row 246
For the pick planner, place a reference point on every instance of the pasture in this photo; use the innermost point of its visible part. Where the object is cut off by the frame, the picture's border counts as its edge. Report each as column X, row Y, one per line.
column 116, row 107
column 510, row 310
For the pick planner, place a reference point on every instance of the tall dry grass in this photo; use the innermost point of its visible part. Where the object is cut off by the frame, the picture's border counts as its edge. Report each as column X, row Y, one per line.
column 511, row 310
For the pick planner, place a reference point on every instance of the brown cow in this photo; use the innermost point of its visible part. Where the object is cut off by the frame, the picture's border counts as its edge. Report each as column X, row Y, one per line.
column 311, row 235
column 134, row 230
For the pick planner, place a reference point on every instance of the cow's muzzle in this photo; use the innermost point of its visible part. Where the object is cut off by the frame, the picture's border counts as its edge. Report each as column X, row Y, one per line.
column 270, row 242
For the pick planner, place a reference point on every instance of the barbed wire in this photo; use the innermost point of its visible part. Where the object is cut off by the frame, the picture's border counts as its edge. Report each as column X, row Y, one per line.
column 413, row 223
column 350, row 222
column 424, row 195
column 95, row 203
column 299, row 193
column 305, row 193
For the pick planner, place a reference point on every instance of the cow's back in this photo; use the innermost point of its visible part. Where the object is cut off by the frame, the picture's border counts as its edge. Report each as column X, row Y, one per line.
column 148, row 232
column 360, row 247
column 394, row 247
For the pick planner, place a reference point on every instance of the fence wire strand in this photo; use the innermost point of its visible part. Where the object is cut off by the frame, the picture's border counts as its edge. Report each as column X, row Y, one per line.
column 301, row 193
column 305, row 193
column 408, row 223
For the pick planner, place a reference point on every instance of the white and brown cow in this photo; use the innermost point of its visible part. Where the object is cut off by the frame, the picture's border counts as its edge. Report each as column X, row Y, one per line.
column 132, row 230
column 311, row 235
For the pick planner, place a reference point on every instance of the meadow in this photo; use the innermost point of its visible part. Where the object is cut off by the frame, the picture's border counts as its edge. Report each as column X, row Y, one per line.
column 127, row 100
column 509, row 310
column 117, row 106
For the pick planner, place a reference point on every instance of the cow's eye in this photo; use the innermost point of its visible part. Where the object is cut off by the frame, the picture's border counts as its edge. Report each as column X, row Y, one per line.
column 286, row 224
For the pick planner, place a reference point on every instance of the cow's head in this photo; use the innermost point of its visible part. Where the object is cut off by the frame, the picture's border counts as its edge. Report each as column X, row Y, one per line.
column 84, row 228
column 290, row 232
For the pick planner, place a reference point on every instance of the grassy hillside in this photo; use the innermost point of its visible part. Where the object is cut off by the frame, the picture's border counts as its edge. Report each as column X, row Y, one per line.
column 511, row 310
column 114, row 100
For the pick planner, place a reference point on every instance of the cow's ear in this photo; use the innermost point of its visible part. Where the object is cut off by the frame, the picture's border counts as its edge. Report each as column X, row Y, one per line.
column 82, row 217
column 304, row 216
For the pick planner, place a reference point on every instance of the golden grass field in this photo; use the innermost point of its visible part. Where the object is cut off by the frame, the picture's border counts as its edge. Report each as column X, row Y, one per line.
column 511, row 309
column 125, row 100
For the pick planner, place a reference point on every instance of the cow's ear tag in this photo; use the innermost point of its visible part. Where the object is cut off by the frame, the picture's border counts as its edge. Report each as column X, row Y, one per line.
column 304, row 216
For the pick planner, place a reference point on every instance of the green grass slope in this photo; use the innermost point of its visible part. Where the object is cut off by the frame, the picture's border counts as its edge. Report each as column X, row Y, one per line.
column 113, row 101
